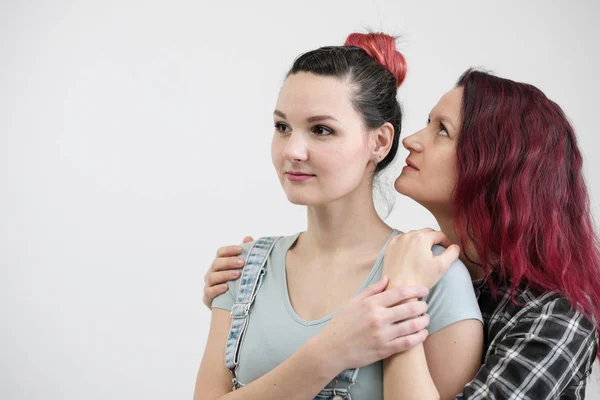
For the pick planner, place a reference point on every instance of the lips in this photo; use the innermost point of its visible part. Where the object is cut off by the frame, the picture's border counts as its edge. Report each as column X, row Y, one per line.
column 298, row 173
column 411, row 164
column 297, row 176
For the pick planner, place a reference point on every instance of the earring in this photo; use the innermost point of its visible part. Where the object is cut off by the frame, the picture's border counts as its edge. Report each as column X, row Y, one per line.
column 376, row 161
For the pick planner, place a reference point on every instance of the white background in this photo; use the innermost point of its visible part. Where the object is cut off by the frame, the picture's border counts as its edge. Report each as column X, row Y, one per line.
column 134, row 141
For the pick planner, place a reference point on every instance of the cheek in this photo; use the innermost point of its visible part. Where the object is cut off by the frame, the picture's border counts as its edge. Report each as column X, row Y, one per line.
column 445, row 175
column 447, row 168
column 276, row 151
column 341, row 168
column 435, row 183
column 345, row 163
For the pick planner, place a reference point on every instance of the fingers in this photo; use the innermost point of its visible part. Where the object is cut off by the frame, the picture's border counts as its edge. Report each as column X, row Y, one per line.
column 406, row 311
column 437, row 237
column 431, row 235
column 409, row 326
column 407, row 342
column 247, row 239
column 211, row 292
column 449, row 255
column 219, row 277
column 375, row 288
column 225, row 263
column 228, row 251
column 398, row 294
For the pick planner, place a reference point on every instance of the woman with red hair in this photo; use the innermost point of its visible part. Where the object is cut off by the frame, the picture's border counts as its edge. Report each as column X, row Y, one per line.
column 499, row 167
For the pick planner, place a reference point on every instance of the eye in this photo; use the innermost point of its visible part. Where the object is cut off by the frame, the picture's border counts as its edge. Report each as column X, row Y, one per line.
column 443, row 131
column 321, row 130
column 428, row 121
column 282, row 128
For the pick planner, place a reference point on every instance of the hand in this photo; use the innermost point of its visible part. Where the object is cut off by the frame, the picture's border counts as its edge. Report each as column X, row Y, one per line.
column 408, row 258
column 373, row 326
column 223, row 269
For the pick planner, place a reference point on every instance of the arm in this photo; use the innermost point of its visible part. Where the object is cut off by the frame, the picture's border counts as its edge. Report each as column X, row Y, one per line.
column 440, row 367
column 451, row 355
column 302, row 376
column 547, row 354
column 406, row 376
column 454, row 356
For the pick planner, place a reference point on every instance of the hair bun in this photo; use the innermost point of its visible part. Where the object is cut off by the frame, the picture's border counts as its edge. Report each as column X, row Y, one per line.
column 381, row 47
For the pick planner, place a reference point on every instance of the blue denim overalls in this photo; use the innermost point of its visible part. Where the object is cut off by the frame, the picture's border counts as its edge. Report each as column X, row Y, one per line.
column 250, row 282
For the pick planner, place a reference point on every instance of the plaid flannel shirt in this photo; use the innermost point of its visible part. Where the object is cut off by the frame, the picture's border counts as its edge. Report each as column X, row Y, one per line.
column 541, row 349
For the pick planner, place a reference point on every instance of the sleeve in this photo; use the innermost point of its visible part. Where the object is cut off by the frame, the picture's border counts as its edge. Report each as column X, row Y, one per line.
column 226, row 300
column 452, row 299
column 547, row 354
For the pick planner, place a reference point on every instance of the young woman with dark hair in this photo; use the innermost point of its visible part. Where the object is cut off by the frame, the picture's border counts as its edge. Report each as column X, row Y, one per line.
column 301, row 322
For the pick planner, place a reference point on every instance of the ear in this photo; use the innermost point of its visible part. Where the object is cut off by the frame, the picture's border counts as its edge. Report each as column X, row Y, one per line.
column 381, row 141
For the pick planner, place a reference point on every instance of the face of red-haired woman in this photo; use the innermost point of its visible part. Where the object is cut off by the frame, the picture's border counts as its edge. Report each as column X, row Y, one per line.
column 429, row 176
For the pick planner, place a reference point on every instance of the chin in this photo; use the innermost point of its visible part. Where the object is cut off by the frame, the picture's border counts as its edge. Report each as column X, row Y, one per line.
column 298, row 202
column 299, row 199
column 407, row 188
column 402, row 186
column 307, row 199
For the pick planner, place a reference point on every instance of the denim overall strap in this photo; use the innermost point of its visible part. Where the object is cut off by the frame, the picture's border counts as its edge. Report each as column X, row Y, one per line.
column 341, row 387
column 250, row 281
column 348, row 375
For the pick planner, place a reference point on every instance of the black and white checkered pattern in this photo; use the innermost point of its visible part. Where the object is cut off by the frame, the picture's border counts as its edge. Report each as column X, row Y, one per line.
column 539, row 348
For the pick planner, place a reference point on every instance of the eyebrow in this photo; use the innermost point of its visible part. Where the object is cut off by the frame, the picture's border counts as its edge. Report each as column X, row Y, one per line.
column 310, row 119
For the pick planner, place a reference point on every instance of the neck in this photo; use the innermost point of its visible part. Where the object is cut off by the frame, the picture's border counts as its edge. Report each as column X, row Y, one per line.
column 348, row 224
column 446, row 223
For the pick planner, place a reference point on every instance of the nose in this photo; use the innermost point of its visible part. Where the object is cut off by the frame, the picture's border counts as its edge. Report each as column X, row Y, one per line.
column 296, row 147
column 413, row 142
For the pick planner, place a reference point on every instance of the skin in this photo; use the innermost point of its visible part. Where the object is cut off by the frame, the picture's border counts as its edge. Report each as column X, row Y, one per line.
column 432, row 150
column 337, row 152
column 433, row 153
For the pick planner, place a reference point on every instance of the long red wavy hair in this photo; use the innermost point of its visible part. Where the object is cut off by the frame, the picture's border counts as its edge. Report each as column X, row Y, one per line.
column 521, row 197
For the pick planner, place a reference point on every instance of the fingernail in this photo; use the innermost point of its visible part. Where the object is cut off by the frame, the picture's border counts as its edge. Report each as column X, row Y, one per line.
column 239, row 262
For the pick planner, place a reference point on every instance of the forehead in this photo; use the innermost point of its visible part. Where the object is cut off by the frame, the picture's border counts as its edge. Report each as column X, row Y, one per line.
column 450, row 104
column 310, row 93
